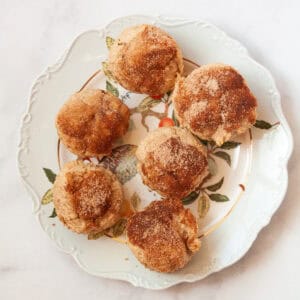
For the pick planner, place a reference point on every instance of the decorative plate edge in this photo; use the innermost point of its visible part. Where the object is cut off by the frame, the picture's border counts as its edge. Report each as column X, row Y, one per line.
column 253, row 231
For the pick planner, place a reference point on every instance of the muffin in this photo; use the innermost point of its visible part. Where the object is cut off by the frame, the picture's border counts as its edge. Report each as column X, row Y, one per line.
column 215, row 103
column 163, row 237
column 90, row 121
column 87, row 198
column 172, row 162
column 145, row 59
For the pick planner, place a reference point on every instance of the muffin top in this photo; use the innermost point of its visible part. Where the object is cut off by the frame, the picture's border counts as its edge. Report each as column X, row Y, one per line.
column 163, row 236
column 90, row 121
column 214, row 102
column 172, row 161
column 87, row 198
column 145, row 59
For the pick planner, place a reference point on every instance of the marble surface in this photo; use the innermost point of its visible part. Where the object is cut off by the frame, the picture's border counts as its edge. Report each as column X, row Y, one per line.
column 33, row 34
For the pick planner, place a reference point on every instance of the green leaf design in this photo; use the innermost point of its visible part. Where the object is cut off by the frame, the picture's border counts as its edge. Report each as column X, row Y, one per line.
column 48, row 197
column 50, row 174
column 212, row 166
column 112, row 89
column 230, row 145
column 176, row 122
column 147, row 103
column 53, row 215
column 135, row 201
column 122, row 162
column 119, row 227
column 190, row 198
column 216, row 186
column 224, row 156
column 106, row 71
column 95, row 235
column 203, row 205
column 131, row 125
column 262, row 124
column 218, row 197
column 109, row 42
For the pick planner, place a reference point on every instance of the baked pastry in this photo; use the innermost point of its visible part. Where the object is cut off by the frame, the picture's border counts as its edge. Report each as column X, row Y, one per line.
column 145, row 59
column 163, row 237
column 87, row 198
column 172, row 162
column 90, row 121
column 214, row 102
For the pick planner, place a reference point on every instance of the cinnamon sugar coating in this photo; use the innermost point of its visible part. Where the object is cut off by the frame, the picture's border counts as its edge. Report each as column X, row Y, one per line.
column 87, row 198
column 145, row 59
column 163, row 236
column 172, row 162
column 214, row 102
column 90, row 121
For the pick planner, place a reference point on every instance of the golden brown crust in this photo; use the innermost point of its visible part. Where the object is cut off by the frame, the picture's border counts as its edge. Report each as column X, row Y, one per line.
column 172, row 162
column 163, row 237
column 214, row 102
column 87, row 198
column 145, row 59
column 90, row 121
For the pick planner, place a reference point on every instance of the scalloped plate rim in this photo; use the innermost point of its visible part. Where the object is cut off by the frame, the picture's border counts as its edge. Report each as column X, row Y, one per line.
column 126, row 276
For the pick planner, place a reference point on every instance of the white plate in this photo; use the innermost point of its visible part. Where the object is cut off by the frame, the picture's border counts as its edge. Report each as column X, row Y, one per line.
column 259, row 164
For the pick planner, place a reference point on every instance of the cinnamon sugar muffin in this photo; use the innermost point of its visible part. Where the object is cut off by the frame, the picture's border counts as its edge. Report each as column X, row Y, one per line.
column 145, row 59
column 90, row 121
column 163, row 237
column 172, row 162
column 87, row 198
column 214, row 102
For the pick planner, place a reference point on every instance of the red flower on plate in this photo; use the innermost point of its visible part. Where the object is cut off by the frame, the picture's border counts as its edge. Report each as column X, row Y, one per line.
column 156, row 97
column 166, row 122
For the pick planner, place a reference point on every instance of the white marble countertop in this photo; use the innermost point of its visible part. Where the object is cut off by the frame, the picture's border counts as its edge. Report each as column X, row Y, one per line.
column 33, row 34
